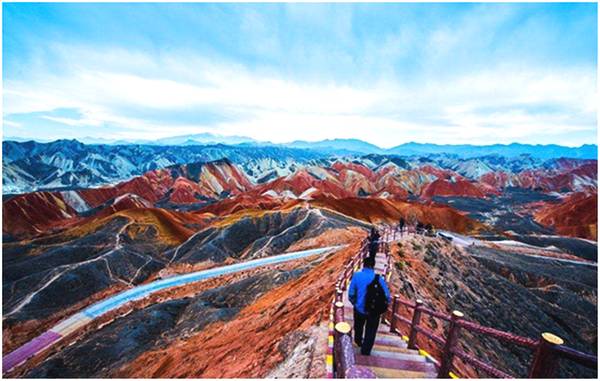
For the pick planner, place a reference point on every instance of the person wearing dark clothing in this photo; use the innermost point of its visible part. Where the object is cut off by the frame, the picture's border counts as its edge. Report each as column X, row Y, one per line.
column 419, row 227
column 373, row 242
column 373, row 248
column 429, row 229
column 401, row 224
column 365, row 324
column 374, row 236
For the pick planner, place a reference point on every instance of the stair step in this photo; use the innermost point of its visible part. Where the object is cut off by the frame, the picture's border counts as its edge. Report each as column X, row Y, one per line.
column 393, row 348
column 389, row 341
column 389, row 335
column 399, row 373
column 391, row 363
column 394, row 355
column 384, row 328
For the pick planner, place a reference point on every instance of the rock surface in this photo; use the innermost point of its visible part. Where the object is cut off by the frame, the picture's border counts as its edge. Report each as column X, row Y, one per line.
column 504, row 290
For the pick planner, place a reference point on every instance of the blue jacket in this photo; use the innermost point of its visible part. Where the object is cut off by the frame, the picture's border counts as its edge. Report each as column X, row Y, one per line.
column 357, row 292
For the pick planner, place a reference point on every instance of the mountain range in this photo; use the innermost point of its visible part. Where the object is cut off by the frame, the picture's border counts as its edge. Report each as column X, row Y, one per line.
column 357, row 146
column 269, row 176
column 65, row 164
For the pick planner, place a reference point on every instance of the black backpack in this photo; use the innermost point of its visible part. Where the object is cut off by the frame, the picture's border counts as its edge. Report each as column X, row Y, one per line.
column 376, row 302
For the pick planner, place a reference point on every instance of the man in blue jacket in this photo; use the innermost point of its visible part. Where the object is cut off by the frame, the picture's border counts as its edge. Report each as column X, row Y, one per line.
column 357, row 293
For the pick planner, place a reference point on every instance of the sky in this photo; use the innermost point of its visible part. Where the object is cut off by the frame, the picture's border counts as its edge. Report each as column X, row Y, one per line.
column 384, row 73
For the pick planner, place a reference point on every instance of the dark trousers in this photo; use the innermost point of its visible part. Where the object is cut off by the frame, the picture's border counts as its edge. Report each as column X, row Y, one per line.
column 373, row 249
column 368, row 325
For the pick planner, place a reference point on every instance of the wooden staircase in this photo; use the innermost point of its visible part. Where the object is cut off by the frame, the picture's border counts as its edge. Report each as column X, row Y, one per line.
column 390, row 356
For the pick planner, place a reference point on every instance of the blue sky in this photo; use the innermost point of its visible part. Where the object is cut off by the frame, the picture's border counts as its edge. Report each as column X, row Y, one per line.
column 384, row 73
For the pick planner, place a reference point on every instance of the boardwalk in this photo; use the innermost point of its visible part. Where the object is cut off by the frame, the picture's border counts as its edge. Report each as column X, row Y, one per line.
column 390, row 357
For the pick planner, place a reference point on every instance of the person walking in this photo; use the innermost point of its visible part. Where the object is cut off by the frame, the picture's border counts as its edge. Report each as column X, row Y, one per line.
column 370, row 296
column 374, row 235
column 373, row 249
column 373, row 242
column 401, row 225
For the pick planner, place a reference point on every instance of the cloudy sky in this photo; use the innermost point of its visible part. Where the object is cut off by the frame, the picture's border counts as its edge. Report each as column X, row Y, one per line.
column 383, row 73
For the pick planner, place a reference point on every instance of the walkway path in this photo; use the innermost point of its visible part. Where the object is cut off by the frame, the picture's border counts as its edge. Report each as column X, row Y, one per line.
column 75, row 322
column 390, row 357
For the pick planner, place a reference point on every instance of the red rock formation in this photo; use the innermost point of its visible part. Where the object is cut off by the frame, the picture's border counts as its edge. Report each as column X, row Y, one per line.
column 35, row 213
column 390, row 211
column 124, row 202
column 355, row 167
column 571, row 178
column 39, row 213
column 184, row 191
column 576, row 215
column 95, row 197
column 460, row 187
column 302, row 181
column 438, row 172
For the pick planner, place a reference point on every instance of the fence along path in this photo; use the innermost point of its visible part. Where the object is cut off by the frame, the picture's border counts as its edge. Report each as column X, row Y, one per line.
column 390, row 357
column 397, row 355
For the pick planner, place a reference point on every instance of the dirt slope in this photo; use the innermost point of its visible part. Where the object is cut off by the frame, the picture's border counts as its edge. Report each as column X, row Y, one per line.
column 253, row 344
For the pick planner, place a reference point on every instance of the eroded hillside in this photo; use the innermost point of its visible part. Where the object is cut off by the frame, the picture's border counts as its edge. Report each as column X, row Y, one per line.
column 245, row 326
column 502, row 289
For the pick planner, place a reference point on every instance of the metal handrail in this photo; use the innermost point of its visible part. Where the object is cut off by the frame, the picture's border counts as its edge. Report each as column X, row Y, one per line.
column 431, row 335
column 482, row 365
column 582, row 358
column 502, row 335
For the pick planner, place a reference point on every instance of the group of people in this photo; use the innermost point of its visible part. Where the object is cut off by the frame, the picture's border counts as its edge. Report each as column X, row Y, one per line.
column 420, row 227
column 425, row 229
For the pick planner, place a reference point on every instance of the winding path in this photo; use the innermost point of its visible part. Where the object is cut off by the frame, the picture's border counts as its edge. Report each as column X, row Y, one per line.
column 468, row 241
column 80, row 319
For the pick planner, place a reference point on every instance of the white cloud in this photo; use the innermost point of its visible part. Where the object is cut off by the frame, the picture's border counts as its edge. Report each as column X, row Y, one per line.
column 12, row 124
column 101, row 84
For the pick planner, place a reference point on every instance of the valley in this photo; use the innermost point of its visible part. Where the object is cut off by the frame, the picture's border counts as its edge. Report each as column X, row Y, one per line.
column 524, row 233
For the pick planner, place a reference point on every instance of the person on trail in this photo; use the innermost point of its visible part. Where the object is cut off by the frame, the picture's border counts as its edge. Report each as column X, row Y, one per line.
column 370, row 296
column 374, row 236
column 373, row 242
column 373, row 248
column 429, row 229
column 419, row 227
column 401, row 225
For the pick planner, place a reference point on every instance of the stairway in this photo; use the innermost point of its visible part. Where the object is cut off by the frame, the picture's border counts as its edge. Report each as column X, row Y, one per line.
column 390, row 356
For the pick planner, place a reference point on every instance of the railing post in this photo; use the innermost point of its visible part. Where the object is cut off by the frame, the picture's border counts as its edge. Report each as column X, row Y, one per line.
column 341, row 362
column 451, row 339
column 339, row 312
column 545, row 360
column 412, row 337
column 393, row 317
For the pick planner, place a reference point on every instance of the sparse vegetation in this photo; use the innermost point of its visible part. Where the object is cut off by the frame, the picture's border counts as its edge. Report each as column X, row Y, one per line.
column 400, row 265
